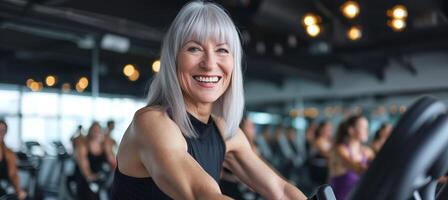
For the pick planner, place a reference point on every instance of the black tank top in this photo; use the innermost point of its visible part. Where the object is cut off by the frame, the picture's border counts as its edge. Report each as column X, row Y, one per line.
column 96, row 161
column 4, row 165
column 208, row 150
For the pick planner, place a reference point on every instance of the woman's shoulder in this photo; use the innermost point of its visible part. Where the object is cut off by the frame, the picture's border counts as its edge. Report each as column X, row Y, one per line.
column 153, row 122
column 151, row 114
column 341, row 150
column 9, row 153
column 79, row 140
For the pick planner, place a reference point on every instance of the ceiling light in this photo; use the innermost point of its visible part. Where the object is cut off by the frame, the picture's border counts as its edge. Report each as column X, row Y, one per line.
column 313, row 30
column 354, row 33
column 350, row 9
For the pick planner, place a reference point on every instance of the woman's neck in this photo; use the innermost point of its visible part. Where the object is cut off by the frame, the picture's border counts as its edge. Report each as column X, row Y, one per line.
column 200, row 111
column 354, row 144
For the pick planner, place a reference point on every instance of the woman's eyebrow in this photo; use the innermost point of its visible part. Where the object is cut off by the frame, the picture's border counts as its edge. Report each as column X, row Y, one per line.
column 193, row 41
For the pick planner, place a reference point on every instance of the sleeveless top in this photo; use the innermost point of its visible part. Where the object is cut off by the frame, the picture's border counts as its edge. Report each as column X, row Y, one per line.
column 344, row 183
column 318, row 166
column 4, row 172
column 208, row 149
column 95, row 162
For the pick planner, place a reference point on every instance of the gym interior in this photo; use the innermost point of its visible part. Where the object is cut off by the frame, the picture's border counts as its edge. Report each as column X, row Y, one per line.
column 69, row 68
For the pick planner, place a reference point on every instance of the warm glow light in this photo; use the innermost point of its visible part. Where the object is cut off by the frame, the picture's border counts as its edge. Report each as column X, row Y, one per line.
column 83, row 83
column 28, row 82
column 313, row 30
column 156, row 66
column 397, row 24
column 310, row 19
column 398, row 12
column 350, row 9
column 79, row 88
column 66, row 87
column 50, row 80
column 128, row 70
column 34, row 86
column 311, row 112
column 294, row 113
column 41, row 85
column 134, row 76
column 354, row 33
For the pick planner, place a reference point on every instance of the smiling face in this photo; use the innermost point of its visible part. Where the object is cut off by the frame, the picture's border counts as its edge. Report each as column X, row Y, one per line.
column 204, row 70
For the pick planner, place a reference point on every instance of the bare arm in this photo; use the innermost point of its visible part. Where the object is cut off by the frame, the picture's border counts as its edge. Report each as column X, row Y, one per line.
column 163, row 152
column 323, row 148
column 344, row 154
column 369, row 153
column 254, row 172
column 81, row 152
column 12, row 170
column 109, row 144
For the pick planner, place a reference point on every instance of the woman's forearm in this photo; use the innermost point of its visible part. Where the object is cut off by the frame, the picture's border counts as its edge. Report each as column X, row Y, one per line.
column 84, row 166
column 292, row 192
column 15, row 183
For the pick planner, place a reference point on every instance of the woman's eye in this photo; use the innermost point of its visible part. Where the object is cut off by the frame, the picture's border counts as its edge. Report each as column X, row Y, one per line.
column 193, row 49
column 223, row 50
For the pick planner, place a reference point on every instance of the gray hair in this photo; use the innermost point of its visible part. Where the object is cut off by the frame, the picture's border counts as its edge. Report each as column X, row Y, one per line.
column 198, row 21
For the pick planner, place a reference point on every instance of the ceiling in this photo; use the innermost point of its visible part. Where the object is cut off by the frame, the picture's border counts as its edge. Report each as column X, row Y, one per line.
column 41, row 37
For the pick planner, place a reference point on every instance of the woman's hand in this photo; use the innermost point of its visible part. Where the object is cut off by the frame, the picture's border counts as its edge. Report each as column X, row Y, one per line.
column 21, row 195
column 92, row 177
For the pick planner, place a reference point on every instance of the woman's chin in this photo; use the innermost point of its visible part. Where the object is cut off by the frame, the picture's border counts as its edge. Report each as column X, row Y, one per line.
column 208, row 98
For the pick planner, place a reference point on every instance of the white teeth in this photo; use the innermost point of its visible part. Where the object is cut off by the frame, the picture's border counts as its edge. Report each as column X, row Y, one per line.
column 213, row 79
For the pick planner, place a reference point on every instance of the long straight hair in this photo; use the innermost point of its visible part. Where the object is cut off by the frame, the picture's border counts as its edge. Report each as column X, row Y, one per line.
column 198, row 21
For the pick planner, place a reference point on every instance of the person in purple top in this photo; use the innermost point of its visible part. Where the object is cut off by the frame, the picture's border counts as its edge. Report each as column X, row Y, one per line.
column 349, row 157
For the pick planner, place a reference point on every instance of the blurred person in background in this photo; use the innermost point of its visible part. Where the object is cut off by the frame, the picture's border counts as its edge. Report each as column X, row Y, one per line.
column 381, row 136
column 110, row 144
column 309, row 135
column 278, row 158
column 320, row 151
column 90, row 157
column 8, row 164
column 263, row 142
column 349, row 157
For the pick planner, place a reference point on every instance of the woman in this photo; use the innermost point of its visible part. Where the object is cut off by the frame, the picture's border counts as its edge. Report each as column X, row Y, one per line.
column 176, row 146
column 90, row 157
column 350, row 157
column 8, row 167
column 320, row 151
column 381, row 136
